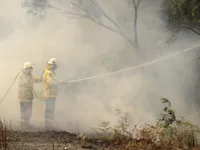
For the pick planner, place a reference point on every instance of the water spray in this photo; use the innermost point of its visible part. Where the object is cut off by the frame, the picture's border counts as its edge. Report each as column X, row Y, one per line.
column 111, row 73
column 135, row 67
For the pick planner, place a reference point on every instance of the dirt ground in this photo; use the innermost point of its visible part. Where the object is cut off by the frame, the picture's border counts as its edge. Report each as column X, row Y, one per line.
column 48, row 141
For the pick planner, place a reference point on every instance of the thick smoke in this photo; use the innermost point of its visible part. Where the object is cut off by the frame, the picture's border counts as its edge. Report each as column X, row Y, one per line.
column 84, row 49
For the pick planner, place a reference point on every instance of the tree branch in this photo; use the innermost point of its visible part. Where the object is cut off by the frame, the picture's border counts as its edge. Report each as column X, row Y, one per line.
column 87, row 15
column 113, row 30
column 136, row 4
column 119, row 31
column 115, row 24
column 107, row 17
column 190, row 29
column 79, row 7
column 66, row 12
column 174, row 35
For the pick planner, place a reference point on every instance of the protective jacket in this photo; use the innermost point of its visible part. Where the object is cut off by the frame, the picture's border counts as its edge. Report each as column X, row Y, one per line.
column 50, row 84
column 26, row 86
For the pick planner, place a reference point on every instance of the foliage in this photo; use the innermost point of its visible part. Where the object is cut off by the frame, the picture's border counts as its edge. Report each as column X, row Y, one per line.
column 35, row 7
column 182, row 11
column 118, row 132
column 168, row 117
column 168, row 133
column 91, row 10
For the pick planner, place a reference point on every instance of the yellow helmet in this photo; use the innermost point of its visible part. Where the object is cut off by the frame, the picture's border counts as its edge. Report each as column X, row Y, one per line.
column 52, row 61
column 27, row 65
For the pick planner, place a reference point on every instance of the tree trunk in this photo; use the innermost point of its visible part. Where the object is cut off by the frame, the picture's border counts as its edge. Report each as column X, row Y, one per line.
column 135, row 27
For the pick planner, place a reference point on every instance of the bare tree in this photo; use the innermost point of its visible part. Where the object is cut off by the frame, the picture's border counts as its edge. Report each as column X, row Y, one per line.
column 92, row 10
column 83, row 11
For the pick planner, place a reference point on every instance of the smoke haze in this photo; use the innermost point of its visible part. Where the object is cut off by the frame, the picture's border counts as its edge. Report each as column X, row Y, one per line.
column 85, row 49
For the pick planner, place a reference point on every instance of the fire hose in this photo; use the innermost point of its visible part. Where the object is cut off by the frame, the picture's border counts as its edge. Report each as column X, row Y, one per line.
column 108, row 73
column 9, row 88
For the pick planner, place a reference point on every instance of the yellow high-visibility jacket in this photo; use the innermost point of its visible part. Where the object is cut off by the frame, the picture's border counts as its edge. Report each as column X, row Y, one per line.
column 50, row 84
column 26, row 86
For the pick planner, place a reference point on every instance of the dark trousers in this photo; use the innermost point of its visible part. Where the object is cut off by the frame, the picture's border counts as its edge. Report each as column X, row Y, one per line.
column 49, row 112
column 25, row 114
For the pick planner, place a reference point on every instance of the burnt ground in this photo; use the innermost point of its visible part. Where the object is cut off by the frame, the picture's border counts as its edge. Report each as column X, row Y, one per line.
column 54, row 140
column 59, row 140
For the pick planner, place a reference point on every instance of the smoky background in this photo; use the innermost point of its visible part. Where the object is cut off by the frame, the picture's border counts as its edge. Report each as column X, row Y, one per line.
column 85, row 49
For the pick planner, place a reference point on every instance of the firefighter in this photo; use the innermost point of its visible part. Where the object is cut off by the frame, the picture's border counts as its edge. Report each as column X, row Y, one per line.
column 50, row 85
column 26, row 94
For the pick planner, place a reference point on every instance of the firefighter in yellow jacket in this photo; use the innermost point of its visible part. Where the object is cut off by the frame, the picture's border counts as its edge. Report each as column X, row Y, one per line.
column 50, row 85
column 26, row 95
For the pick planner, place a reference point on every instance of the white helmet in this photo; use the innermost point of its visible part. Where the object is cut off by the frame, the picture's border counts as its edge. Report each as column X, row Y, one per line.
column 52, row 61
column 27, row 65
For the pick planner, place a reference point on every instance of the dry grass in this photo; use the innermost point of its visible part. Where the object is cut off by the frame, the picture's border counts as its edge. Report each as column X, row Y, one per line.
column 3, row 136
column 169, row 133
